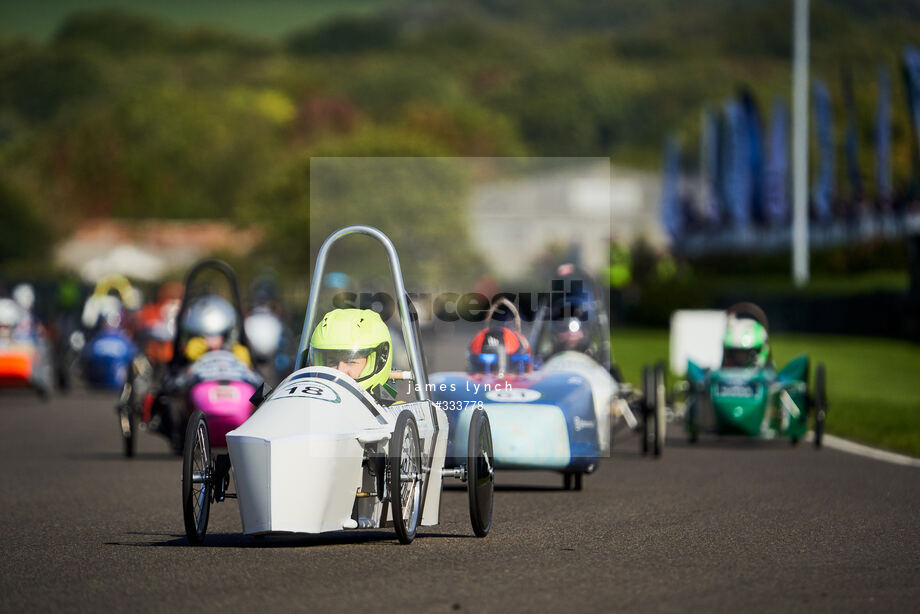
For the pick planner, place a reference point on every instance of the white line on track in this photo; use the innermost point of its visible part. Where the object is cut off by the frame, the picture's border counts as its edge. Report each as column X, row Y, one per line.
column 851, row 447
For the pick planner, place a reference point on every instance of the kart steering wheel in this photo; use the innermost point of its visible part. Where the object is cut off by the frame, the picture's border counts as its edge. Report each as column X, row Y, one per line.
column 503, row 301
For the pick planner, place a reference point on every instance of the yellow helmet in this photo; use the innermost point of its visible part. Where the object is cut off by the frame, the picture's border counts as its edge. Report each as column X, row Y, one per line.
column 347, row 334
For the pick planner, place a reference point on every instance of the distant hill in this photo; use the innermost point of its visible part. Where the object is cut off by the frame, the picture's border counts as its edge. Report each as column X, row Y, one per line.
column 262, row 18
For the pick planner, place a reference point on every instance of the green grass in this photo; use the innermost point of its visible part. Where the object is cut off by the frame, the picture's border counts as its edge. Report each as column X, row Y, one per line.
column 872, row 384
column 820, row 285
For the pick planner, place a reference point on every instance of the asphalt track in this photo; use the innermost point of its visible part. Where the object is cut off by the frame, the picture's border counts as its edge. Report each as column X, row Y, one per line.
column 724, row 525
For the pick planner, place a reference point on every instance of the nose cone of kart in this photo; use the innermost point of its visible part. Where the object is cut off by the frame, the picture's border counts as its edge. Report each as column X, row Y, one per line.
column 739, row 415
column 226, row 406
column 292, row 472
column 739, row 401
column 15, row 367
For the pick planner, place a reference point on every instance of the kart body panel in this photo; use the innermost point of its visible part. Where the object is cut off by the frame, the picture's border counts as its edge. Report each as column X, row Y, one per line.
column 557, row 418
column 107, row 358
column 221, row 386
column 300, row 463
column 225, row 403
column 756, row 402
column 15, row 365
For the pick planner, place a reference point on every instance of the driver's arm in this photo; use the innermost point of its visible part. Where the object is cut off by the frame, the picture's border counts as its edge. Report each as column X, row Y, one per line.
column 242, row 354
column 195, row 348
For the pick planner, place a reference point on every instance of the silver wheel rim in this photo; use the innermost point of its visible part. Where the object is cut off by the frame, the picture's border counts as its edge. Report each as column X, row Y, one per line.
column 409, row 476
column 201, row 478
column 125, row 424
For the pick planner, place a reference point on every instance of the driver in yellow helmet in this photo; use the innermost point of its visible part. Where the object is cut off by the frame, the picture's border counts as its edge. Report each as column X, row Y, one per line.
column 357, row 343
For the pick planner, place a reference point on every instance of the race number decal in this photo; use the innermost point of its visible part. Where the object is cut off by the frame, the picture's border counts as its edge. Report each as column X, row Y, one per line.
column 513, row 395
column 310, row 389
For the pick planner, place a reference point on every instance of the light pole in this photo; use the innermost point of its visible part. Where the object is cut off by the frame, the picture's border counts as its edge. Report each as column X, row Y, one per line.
column 800, row 265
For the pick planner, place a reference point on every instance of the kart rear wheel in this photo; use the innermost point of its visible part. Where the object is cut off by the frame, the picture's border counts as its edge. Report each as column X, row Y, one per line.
column 43, row 392
column 820, row 403
column 480, row 474
column 196, row 478
column 405, row 477
column 647, row 385
column 661, row 422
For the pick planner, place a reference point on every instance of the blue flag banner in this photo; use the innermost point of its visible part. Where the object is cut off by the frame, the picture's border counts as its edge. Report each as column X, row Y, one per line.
column 851, row 140
column 883, row 136
column 709, row 168
column 776, row 180
column 672, row 215
column 736, row 166
column 755, row 154
column 912, row 84
column 823, row 189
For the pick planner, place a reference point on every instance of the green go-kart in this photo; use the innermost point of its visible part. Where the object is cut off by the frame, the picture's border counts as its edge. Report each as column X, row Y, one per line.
column 756, row 401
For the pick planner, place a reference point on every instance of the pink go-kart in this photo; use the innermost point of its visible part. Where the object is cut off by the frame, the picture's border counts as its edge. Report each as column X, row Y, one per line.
column 221, row 386
column 210, row 369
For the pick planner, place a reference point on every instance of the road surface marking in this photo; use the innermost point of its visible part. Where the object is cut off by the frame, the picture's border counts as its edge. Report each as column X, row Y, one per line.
column 845, row 445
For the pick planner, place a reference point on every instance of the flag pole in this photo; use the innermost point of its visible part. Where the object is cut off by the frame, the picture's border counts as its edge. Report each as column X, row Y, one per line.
column 800, row 264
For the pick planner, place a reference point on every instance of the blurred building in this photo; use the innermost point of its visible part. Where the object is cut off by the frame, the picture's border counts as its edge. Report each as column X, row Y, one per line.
column 148, row 249
column 516, row 222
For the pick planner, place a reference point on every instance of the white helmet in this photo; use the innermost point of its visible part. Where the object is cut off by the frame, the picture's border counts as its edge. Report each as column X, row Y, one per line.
column 24, row 296
column 263, row 331
column 110, row 308
column 10, row 313
column 209, row 316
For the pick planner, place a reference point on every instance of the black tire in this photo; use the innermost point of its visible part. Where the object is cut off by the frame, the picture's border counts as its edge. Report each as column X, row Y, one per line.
column 578, row 477
column 693, row 425
column 196, row 478
column 651, row 439
column 63, row 379
column 128, row 425
column 480, row 474
column 404, row 474
column 177, row 425
column 692, row 421
column 647, row 386
column 820, row 403
column 567, row 481
column 660, row 421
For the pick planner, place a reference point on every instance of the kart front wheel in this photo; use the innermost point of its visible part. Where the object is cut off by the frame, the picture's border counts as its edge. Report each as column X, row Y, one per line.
column 652, row 410
column 196, row 478
column 820, row 403
column 128, row 423
column 405, row 477
column 661, row 419
column 645, row 404
column 480, row 473
column 572, row 481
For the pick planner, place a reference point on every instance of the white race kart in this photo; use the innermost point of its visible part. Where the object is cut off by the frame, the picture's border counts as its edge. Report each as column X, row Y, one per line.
column 321, row 454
